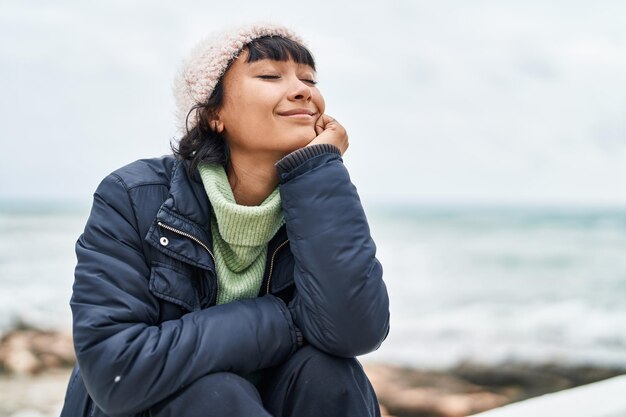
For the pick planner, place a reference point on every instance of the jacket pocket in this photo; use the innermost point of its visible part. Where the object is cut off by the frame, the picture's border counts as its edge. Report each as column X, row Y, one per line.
column 173, row 286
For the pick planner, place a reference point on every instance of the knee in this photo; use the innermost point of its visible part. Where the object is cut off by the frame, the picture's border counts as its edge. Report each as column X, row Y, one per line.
column 320, row 384
column 222, row 385
column 327, row 372
column 311, row 357
column 211, row 392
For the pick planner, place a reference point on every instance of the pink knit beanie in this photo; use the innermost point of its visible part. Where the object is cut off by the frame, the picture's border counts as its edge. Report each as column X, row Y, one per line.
column 208, row 61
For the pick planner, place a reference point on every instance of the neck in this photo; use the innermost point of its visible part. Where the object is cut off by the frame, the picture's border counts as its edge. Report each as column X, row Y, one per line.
column 252, row 177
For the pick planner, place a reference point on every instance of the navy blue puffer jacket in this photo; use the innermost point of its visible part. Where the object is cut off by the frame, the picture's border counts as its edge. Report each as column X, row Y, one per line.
column 145, row 319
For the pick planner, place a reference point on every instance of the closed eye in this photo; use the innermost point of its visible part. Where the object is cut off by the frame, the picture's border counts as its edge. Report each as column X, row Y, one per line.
column 269, row 77
column 313, row 82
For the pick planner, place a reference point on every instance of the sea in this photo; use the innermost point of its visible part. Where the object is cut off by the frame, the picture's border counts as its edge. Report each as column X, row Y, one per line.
column 481, row 285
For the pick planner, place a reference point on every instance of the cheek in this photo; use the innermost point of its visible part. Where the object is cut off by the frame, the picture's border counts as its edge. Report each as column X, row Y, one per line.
column 319, row 101
column 258, row 110
column 246, row 114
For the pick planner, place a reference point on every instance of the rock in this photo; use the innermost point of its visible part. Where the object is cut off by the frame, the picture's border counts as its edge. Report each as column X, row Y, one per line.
column 470, row 388
column 410, row 392
column 21, row 362
column 522, row 381
column 31, row 351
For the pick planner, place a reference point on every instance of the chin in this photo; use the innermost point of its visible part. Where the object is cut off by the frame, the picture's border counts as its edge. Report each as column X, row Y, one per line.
column 308, row 135
column 300, row 141
column 305, row 140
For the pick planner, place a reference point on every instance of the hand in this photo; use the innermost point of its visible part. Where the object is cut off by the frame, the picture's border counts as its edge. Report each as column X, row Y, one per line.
column 330, row 131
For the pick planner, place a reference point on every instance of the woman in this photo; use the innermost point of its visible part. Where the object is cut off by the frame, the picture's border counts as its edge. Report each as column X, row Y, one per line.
column 237, row 277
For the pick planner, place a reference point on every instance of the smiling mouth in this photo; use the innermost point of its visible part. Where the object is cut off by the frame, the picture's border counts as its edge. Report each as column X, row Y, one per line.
column 304, row 116
column 301, row 113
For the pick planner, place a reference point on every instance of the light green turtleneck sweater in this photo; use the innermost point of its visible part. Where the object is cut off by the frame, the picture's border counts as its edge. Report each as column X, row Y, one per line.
column 240, row 235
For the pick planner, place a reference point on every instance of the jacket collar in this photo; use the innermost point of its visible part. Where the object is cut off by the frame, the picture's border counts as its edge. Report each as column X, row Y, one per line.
column 187, row 210
column 181, row 226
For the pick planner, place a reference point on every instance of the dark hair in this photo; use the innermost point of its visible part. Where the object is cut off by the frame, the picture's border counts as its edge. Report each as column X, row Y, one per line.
column 201, row 144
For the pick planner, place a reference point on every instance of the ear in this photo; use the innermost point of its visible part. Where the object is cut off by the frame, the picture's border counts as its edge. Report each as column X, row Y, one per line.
column 219, row 126
column 216, row 124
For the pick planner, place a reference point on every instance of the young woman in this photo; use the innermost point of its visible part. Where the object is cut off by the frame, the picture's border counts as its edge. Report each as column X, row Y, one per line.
column 238, row 276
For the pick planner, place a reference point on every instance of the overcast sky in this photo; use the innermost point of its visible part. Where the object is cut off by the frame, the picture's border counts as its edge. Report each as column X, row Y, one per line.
column 478, row 102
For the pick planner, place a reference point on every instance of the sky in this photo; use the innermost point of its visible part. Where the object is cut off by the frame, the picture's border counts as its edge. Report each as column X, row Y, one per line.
column 446, row 102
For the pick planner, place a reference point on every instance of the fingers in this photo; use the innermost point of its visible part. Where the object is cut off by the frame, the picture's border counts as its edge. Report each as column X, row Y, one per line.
column 327, row 118
column 321, row 122
column 319, row 125
column 328, row 130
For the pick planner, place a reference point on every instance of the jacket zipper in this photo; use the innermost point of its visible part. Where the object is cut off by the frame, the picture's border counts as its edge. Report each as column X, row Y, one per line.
column 199, row 242
column 192, row 237
column 269, row 277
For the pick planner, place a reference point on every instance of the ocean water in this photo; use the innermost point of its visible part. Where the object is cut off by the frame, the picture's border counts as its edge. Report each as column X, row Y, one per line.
column 482, row 285
column 504, row 285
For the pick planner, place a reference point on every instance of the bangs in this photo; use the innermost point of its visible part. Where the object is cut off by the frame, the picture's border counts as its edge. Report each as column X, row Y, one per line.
column 279, row 49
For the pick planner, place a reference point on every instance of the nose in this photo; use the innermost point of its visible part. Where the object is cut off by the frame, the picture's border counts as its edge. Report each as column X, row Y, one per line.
column 300, row 91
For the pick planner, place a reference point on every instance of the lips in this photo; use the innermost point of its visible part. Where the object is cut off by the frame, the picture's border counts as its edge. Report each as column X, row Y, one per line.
column 297, row 112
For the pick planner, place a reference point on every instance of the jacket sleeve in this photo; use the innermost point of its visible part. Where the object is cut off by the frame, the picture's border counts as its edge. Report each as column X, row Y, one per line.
column 127, row 361
column 341, row 303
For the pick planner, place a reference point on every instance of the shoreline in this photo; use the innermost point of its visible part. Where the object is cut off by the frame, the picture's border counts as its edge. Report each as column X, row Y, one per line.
column 35, row 367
